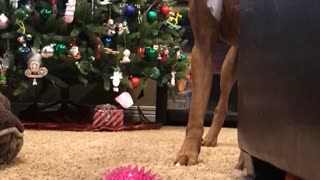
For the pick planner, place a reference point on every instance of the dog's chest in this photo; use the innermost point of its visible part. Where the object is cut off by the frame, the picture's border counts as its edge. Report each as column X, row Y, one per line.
column 226, row 12
column 215, row 7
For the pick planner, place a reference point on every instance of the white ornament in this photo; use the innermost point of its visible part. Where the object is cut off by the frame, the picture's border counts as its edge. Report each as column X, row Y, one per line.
column 5, row 61
column 110, row 27
column 173, row 79
column 74, row 51
column 126, row 55
column 14, row 3
column 29, row 7
column 166, row 51
column 178, row 54
column 34, row 70
column 69, row 12
column 1, row 64
column 47, row 51
column 156, row 47
column 117, row 76
column 3, row 21
column 125, row 100
column 123, row 28
column 103, row 2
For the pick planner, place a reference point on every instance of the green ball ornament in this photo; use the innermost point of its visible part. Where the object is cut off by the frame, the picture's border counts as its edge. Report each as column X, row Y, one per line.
column 151, row 54
column 60, row 48
column 45, row 13
column 21, row 14
column 183, row 57
column 152, row 16
column 154, row 73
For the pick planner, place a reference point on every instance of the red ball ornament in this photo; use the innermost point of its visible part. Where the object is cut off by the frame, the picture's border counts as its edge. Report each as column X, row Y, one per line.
column 165, row 9
column 141, row 51
column 135, row 82
column 188, row 76
column 163, row 58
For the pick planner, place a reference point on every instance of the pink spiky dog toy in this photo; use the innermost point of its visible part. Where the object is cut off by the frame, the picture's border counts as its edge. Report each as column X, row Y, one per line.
column 130, row 173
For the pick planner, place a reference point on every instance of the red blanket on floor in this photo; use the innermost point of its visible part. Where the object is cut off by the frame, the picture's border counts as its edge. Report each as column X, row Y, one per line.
column 87, row 127
column 80, row 120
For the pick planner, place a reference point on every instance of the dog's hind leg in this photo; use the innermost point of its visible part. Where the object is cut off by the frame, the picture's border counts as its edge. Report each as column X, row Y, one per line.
column 205, row 31
column 228, row 78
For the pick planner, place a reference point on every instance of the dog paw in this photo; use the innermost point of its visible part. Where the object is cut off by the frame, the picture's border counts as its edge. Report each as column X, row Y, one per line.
column 208, row 141
column 239, row 166
column 188, row 154
column 186, row 160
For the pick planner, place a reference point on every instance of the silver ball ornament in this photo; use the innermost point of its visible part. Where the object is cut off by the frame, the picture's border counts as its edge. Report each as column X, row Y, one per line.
column 48, row 51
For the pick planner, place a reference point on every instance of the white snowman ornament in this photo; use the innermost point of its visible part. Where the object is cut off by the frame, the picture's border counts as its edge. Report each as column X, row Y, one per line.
column 126, row 55
column 116, row 78
column 3, row 21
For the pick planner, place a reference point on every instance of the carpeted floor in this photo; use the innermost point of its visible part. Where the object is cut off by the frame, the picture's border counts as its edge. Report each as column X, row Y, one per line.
column 56, row 155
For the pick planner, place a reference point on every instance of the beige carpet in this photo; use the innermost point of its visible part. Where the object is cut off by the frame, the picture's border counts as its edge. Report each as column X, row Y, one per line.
column 57, row 155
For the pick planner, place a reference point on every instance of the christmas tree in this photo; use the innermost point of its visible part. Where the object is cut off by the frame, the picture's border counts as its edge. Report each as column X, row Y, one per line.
column 118, row 43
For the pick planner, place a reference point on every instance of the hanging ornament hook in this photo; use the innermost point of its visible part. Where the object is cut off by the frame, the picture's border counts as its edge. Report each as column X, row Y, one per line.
column 22, row 28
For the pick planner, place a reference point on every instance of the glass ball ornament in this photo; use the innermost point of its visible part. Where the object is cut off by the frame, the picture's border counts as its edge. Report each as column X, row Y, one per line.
column 4, row 21
column 135, row 82
column 60, row 48
column 151, row 54
column 45, row 13
column 165, row 9
column 183, row 57
column 152, row 16
column 106, row 41
column 141, row 52
column 48, row 51
column 155, row 73
column 152, row 72
column 129, row 10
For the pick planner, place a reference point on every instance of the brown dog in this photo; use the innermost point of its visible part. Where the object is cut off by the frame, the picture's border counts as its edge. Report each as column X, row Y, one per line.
column 210, row 20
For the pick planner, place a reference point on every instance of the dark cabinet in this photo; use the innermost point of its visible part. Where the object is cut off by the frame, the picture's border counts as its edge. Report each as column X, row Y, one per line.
column 174, row 111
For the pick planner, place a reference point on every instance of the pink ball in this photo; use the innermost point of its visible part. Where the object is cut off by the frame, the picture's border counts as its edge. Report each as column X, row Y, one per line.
column 130, row 173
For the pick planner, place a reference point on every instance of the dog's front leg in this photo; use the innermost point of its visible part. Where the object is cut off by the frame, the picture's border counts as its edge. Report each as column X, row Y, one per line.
column 205, row 32
column 202, row 73
column 227, row 80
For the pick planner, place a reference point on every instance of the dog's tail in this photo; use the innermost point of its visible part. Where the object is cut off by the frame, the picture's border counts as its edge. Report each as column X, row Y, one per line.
column 216, row 7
